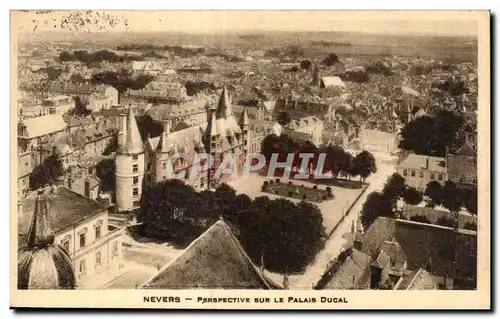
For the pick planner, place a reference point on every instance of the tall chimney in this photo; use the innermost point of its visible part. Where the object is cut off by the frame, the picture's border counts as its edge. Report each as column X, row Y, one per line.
column 87, row 187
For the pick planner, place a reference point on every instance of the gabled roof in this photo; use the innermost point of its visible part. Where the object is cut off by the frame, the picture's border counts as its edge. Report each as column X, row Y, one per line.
column 43, row 125
column 419, row 162
column 356, row 267
column 416, row 280
column 215, row 260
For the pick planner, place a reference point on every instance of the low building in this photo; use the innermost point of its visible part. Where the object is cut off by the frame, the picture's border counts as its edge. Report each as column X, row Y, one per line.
column 419, row 170
column 37, row 131
column 81, row 227
column 332, row 82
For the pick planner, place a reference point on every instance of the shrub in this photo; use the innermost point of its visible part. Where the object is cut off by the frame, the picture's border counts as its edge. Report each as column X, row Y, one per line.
column 266, row 183
column 323, row 198
column 420, row 219
column 290, row 194
column 277, row 181
column 271, row 182
column 264, row 188
column 430, row 204
column 330, row 195
column 315, row 187
column 444, row 221
column 304, row 197
column 329, row 190
column 470, row 226
column 290, row 183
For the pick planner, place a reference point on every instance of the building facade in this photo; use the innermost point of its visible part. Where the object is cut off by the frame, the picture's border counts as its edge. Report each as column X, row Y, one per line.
column 419, row 170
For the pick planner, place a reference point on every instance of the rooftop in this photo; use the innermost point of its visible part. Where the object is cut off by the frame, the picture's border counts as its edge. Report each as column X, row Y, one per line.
column 423, row 162
column 213, row 260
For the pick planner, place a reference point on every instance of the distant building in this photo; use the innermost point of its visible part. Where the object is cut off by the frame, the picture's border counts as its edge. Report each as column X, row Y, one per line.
column 80, row 225
column 375, row 140
column 332, row 82
column 259, row 129
column 419, row 170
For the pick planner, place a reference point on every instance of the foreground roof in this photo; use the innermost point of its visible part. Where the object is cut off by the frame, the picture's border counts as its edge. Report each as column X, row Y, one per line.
column 213, row 260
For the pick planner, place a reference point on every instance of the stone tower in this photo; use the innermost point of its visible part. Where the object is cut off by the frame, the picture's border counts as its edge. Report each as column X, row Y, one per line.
column 129, row 164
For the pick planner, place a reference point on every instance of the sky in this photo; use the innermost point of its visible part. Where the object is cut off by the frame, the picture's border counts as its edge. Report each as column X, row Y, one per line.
column 396, row 22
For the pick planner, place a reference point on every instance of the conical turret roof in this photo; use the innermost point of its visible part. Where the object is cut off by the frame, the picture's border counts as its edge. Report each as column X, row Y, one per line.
column 224, row 108
column 244, row 118
column 131, row 141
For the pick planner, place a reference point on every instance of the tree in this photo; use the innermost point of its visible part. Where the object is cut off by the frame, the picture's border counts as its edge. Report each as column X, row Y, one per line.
column 80, row 108
column 470, row 226
column 452, row 199
column 444, row 221
column 330, row 60
column 305, row 65
column 285, row 235
column 416, row 136
column 76, row 78
column 364, row 165
column 148, row 127
column 412, row 196
column 283, row 118
column 376, row 205
column 112, row 145
column 105, row 171
column 46, row 173
column 435, row 192
column 470, row 200
column 166, row 202
column 394, row 188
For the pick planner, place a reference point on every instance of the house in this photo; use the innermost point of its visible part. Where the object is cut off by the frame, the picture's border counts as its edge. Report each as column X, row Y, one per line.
column 259, row 129
column 353, row 273
column 81, row 226
column 36, row 131
column 101, row 101
column 59, row 104
column 448, row 255
column 419, row 170
column 306, row 128
column 215, row 260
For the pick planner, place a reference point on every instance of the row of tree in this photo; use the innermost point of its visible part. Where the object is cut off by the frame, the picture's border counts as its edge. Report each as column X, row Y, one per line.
column 284, row 235
column 384, row 204
column 95, row 57
column 337, row 160
column 122, row 80
column 431, row 136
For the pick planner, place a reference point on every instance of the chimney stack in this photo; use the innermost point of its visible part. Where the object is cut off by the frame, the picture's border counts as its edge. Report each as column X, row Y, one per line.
column 87, row 187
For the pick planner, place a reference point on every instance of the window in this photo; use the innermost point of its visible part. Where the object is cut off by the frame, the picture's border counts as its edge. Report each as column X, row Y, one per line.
column 135, row 192
column 82, row 240
column 65, row 245
column 98, row 258
column 421, row 174
column 164, row 177
column 114, row 249
column 412, row 173
column 136, row 180
column 135, row 168
column 82, row 266
column 164, row 165
column 405, row 172
column 149, row 166
column 433, row 176
column 97, row 232
column 134, row 157
column 440, row 177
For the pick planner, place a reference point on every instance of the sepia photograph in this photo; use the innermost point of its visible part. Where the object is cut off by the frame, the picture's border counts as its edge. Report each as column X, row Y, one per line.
column 192, row 159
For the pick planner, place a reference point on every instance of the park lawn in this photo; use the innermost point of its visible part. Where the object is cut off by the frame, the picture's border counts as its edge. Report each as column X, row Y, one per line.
column 298, row 191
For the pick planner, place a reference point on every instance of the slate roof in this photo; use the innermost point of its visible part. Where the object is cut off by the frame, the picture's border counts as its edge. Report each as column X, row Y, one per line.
column 357, row 265
column 43, row 125
column 419, row 162
column 416, row 280
column 462, row 169
column 66, row 209
column 215, row 260
column 426, row 245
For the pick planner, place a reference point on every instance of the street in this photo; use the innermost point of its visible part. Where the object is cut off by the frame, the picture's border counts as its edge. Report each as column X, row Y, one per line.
column 341, row 237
